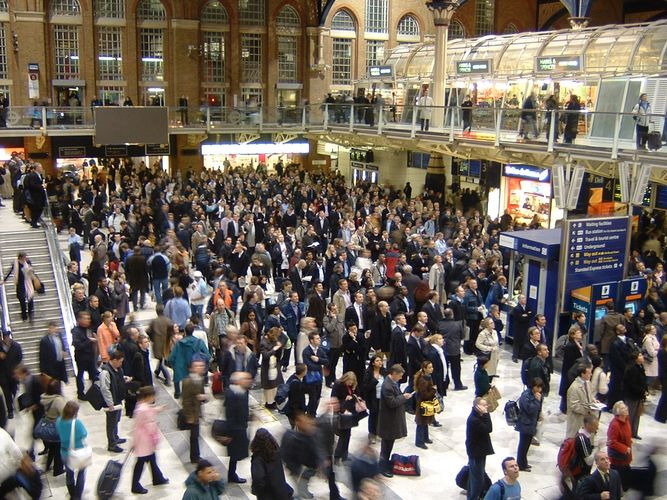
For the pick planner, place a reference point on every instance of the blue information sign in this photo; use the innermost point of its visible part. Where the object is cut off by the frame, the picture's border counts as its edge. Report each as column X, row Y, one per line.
column 595, row 251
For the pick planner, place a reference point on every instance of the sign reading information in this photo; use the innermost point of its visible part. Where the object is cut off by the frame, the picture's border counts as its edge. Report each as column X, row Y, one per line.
column 596, row 251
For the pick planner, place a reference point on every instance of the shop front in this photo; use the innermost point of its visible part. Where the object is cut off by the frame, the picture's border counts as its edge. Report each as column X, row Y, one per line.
column 526, row 194
column 221, row 153
column 78, row 154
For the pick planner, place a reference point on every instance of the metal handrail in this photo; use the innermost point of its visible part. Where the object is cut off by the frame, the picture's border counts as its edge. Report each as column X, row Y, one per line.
column 58, row 264
column 6, row 323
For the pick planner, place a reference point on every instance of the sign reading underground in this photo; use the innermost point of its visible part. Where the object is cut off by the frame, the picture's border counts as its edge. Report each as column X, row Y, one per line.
column 596, row 251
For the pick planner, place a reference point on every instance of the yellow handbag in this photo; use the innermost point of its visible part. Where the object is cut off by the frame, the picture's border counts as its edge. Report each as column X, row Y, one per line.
column 430, row 408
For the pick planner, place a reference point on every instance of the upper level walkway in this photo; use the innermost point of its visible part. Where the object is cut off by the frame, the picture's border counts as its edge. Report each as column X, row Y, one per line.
column 506, row 134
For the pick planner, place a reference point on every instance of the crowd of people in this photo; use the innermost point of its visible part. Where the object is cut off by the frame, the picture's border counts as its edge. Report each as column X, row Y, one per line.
column 246, row 268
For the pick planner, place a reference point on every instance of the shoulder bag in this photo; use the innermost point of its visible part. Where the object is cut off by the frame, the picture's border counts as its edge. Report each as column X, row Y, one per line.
column 81, row 458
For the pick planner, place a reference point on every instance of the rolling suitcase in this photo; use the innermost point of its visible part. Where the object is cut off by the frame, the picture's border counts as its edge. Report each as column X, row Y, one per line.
column 654, row 140
column 110, row 477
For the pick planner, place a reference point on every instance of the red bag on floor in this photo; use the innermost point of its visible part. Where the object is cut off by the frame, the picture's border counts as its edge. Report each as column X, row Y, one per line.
column 405, row 466
column 216, row 384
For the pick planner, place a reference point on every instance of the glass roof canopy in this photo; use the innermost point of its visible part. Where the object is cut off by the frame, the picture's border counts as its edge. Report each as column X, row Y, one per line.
column 607, row 51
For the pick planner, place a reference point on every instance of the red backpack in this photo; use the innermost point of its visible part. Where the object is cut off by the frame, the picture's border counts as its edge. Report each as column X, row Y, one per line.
column 567, row 458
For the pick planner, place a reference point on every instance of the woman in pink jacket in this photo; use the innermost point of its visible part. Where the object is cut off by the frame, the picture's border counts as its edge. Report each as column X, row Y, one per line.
column 146, row 437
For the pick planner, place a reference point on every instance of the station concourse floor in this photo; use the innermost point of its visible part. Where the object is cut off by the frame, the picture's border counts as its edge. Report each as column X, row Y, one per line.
column 439, row 464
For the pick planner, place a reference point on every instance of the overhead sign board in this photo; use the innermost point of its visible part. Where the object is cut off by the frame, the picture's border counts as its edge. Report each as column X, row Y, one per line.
column 477, row 67
column 558, row 64
column 527, row 172
column 595, row 251
column 380, row 71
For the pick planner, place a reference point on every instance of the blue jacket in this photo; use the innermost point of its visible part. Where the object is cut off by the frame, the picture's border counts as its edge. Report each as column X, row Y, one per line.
column 529, row 411
column 178, row 310
column 291, row 322
column 64, row 428
column 182, row 354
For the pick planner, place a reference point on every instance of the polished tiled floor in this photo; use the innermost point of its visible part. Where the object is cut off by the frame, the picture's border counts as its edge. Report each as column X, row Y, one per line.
column 439, row 463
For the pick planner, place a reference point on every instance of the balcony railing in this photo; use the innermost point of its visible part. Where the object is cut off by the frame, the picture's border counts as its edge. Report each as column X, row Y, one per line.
column 496, row 125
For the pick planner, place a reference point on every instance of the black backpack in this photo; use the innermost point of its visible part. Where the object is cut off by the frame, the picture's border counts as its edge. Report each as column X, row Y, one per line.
column 511, row 412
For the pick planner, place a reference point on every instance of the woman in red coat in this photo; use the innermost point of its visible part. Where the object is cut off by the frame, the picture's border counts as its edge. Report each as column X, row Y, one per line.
column 619, row 442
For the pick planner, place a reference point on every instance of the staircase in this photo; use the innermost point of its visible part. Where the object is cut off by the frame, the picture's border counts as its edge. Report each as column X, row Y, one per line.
column 34, row 242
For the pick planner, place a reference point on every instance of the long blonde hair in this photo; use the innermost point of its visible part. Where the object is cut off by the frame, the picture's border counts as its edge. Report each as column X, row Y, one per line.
column 349, row 379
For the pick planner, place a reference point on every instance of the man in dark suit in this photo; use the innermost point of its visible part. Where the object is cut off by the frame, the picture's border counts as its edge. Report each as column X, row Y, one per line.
column 358, row 314
column 234, row 228
column 296, row 276
column 381, row 330
column 292, row 313
column 415, row 350
column 400, row 303
column 452, row 331
column 619, row 357
column 314, row 358
column 433, row 311
column 398, row 350
column 411, row 281
column 317, row 306
column 52, row 354
column 604, row 483
column 322, row 228
column 474, row 305
column 522, row 316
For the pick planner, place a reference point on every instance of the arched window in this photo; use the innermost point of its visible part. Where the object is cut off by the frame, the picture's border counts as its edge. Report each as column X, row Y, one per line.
column 343, row 21
column 456, row 30
column 288, row 18
column 214, row 12
column 65, row 8
column 113, row 9
column 485, row 14
column 408, row 26
column 510, row 29
column 252, row 12
column 376, row 16
column 151, row 10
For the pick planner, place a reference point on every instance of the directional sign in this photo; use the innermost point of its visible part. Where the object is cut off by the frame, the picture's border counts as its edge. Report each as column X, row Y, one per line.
column 557, row 64
column 595, row 251
column 477, row 67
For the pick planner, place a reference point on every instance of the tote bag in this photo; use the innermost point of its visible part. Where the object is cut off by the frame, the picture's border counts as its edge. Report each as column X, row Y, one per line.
column 81, row 458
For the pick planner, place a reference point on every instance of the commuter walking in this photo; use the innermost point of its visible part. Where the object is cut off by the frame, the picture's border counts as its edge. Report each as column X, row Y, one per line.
column 193, row 397
column 466, row 115
column 391, row 419
column 642, row 117
column 84, row 340
column 53, row 403
column 24, row 281
column 238, row 413
column 271, row 378
column 478, row 446
column 571, row 119
column 112, row 384
column 635, row 390
column 72, row 434
column 529, row 117
column 158, row 332
column 52, row 354
column 136, row 269
column 266, row 468
column 145, row 438
column 185, row 351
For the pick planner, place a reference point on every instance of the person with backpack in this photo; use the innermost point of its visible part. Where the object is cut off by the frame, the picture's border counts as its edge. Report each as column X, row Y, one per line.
column 184, row 352
column 530, row 411
column 575, row 456
column 508, row 487
column 537, row 367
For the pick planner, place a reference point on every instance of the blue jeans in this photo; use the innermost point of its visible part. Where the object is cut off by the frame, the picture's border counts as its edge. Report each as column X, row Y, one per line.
column 159, row 286
column 476, row 470
column 75, row 488
column 422, row 434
